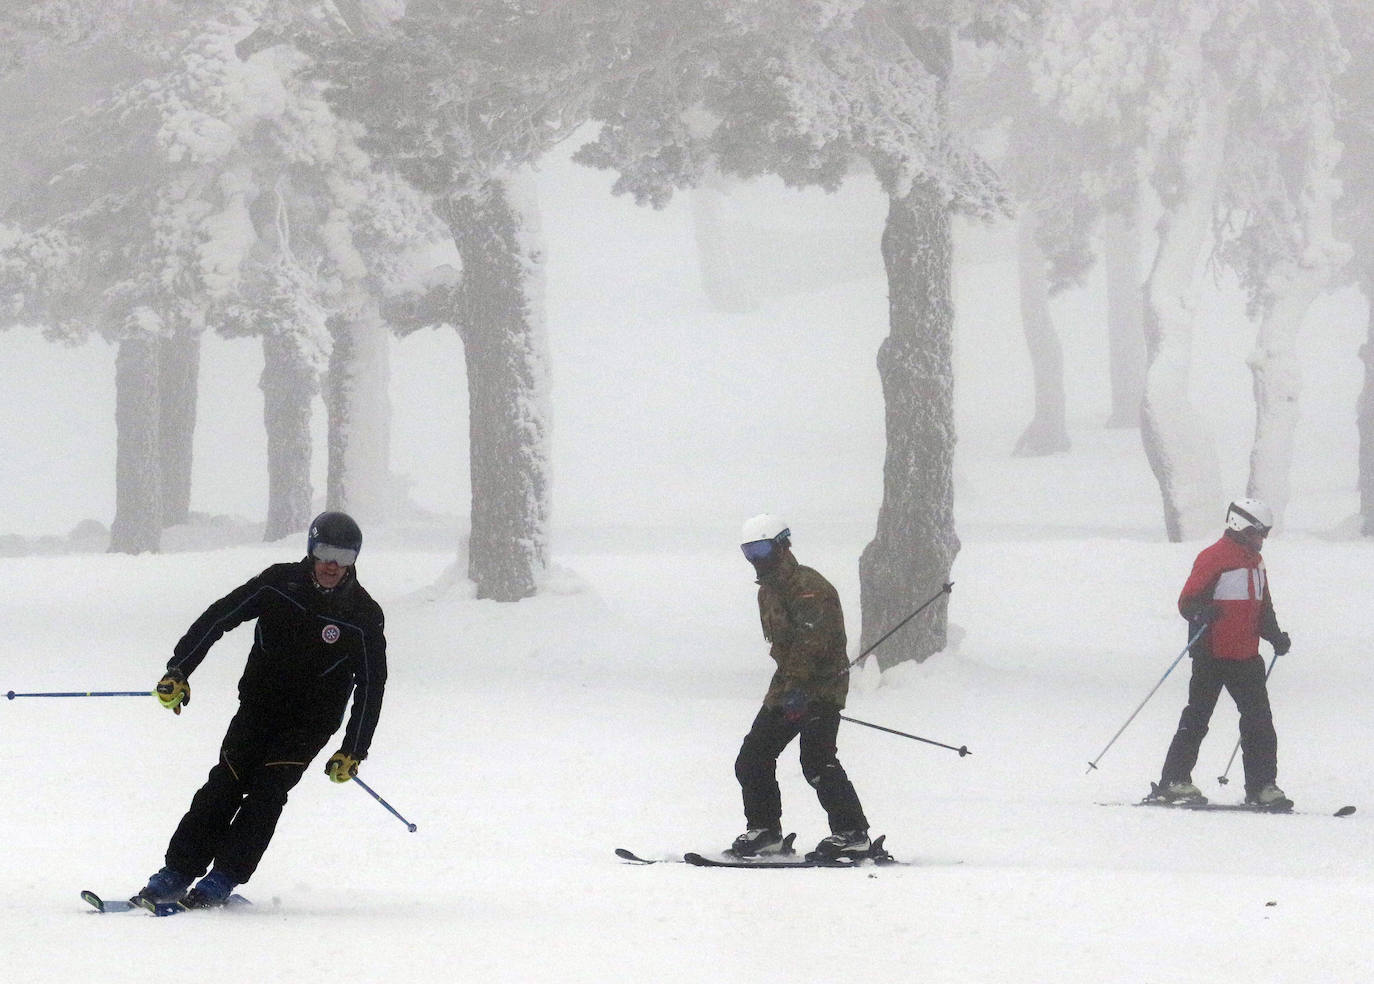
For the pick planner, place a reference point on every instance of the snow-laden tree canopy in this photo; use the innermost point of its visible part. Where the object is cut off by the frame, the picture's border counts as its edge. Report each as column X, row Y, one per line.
column 799, row 90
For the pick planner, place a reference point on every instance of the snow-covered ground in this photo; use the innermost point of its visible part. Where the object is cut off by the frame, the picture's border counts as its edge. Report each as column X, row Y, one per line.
column 527, row 741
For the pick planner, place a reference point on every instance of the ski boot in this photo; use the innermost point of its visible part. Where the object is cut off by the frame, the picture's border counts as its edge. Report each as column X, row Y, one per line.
column 167, row 885
column 843, row 844
column 212, row 890
column 1269, row 797
column 1177, row 793
column 758, row 840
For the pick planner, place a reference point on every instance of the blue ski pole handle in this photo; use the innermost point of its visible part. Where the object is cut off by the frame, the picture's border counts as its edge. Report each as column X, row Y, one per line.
column 390, row 809
column 85, row 693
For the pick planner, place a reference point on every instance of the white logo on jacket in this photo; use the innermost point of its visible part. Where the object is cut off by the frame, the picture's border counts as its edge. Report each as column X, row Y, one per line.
column 330, row 634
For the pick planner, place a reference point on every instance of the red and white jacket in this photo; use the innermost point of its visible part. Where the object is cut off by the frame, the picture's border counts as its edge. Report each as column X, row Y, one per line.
column 1229, row 577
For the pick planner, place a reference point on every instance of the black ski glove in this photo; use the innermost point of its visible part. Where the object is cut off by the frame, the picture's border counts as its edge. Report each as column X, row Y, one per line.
column 1202, row 613
column 1281, row 643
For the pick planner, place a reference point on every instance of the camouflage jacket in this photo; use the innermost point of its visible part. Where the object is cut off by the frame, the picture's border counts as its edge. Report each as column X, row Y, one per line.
column 802, row 618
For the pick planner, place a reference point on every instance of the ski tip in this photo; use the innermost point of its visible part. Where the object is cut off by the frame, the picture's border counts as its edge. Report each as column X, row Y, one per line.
column 1344, row 811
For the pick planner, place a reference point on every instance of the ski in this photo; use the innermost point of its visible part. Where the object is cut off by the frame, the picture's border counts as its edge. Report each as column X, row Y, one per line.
column 175, row 908
column 877, row 855
column 107, row 905
column 1344, row 811
column 1284, row 807
column 702, row 861
column 785, row 851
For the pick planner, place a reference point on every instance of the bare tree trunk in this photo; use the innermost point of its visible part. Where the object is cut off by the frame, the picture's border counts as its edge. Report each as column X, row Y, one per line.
column 913, row 549
column 1364, row 414
column 1277, row 385
column 356, row 397
column 1177, row 443
column 1125, row 316
column 502, row 327
column 137, row 525
column 289, row 383
column 1047, row 432
column 1293, row 287
column 178, row 377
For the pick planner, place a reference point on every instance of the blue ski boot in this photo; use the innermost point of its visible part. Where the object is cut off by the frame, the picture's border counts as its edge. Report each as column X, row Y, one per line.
column 212, row 890
column 168, row 885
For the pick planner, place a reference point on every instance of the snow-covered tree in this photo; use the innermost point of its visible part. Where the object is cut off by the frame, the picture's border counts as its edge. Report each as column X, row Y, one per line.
column 1076, row 184
column 807, row 91
column 1275, row 223
column 1211, row 90
column 459, row 99
column 350, row 230
column 73, row 261
column 105, row 238
column 248, row 205
column 1355, row 212
column 330, row 236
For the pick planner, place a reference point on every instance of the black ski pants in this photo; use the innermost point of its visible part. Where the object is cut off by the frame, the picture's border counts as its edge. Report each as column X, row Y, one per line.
column 233, row 816
column 1244, row 681
column 756, row 767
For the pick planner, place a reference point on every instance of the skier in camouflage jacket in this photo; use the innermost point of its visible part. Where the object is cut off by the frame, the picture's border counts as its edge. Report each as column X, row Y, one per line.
column 802, row 620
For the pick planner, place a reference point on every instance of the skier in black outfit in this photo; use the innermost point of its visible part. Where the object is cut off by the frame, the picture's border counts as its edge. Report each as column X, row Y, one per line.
column 319, row 637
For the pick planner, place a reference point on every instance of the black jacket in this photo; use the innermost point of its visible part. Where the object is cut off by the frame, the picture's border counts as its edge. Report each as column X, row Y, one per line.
column 311, row 648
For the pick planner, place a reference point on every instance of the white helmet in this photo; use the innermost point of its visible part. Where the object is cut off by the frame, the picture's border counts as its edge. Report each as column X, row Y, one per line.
column 764, row 526
column 1246, row 514
column 762, row 536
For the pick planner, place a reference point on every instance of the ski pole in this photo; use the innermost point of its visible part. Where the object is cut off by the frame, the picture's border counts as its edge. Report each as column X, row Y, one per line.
column 948, row 587
column 962, row 749
column 390, row 809
column 1196, row 636
column 1222, row 778
column 86, row 693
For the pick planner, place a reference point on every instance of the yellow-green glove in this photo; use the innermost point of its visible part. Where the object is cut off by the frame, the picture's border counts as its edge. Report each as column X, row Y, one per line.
column 173, row 691
column 341, row 766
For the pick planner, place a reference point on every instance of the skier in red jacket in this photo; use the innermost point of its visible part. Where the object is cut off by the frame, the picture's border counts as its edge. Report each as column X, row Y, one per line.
column 1228, row 592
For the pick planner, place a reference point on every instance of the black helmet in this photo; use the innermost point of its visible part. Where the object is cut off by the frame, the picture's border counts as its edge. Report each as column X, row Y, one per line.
column 334, row 536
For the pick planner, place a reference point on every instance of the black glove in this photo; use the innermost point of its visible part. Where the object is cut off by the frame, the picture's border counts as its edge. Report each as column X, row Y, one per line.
column 794, row 704
column 1281, row 643
column 1202, row 613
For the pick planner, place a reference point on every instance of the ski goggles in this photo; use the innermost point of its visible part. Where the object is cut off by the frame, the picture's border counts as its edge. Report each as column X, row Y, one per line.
column 757, row 550
column 342, row 556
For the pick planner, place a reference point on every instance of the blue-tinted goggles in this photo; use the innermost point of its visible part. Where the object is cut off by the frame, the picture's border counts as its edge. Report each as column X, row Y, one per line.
column 757, row 550
column 342, row 556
